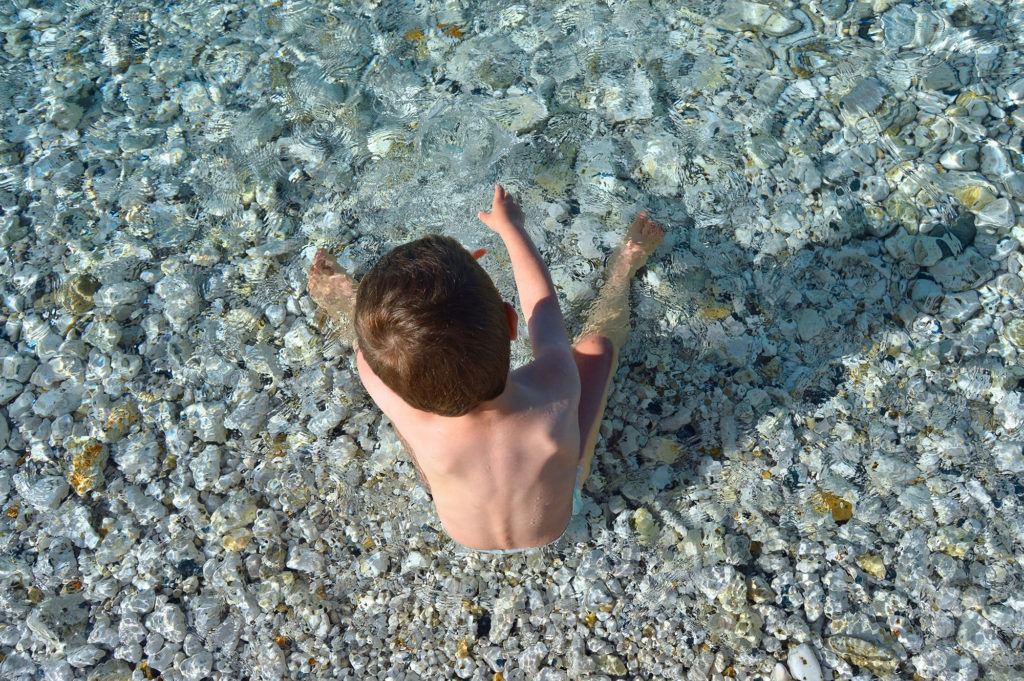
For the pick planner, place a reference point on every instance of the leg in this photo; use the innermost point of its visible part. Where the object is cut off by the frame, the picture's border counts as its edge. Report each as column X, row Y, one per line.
column 595, row 357
column 597, row 348
column 331, row 289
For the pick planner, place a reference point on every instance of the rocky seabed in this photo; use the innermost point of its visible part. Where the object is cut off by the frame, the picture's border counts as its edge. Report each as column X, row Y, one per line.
column 811, row 466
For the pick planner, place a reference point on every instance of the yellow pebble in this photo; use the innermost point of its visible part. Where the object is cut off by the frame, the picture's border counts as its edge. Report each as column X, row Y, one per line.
column 872, row 564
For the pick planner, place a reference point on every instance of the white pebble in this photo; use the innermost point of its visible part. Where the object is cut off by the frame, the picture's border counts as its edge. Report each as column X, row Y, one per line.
column 803, row 664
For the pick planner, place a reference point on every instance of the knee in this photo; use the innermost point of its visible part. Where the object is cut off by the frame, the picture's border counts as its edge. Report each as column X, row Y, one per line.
column 594, row 346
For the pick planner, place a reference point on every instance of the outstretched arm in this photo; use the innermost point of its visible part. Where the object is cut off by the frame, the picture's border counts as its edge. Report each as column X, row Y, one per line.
column 536, row 291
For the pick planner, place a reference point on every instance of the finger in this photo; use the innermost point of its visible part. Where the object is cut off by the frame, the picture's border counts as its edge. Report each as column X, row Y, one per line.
column 482, row 216
column 478, row 253
column 498, row 193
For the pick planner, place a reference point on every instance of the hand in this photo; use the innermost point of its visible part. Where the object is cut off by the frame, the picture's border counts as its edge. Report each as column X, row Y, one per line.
column 324, row 264
column 505, row 212
column 329, row 286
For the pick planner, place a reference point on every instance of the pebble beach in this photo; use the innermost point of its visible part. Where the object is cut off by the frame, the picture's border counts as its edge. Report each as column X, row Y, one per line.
column 812, row 463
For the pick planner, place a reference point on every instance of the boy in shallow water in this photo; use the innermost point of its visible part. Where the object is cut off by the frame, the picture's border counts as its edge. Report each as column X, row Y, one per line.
column 503, row 454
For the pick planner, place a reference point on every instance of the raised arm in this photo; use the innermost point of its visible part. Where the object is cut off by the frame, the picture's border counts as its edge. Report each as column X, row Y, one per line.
column 536, row 292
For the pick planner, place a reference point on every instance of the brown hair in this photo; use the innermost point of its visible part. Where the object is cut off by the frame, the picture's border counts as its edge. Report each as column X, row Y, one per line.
column 432, row 326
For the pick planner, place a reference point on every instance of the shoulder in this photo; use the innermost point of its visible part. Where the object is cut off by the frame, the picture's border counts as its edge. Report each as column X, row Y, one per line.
column 554, row 372
column 389, row 402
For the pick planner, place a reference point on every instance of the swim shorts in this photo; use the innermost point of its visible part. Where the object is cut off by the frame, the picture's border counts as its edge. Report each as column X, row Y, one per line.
column 577, row 493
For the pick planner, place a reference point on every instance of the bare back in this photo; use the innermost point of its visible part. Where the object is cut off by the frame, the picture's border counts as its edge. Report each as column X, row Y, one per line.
column 502, row 475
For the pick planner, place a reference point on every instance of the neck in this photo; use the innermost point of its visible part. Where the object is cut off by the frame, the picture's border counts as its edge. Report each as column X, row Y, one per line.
column 498, row 403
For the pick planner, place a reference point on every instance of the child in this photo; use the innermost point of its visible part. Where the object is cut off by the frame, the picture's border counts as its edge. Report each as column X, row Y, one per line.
column 503, row 454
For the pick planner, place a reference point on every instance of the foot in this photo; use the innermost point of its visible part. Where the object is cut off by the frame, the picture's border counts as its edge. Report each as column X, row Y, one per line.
column 643, row 238
column 331, row 289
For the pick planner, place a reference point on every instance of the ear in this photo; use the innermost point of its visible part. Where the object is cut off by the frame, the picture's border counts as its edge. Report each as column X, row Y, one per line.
column 513, row 321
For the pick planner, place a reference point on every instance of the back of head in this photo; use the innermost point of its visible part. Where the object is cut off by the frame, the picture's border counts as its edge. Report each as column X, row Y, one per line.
column 432, row 326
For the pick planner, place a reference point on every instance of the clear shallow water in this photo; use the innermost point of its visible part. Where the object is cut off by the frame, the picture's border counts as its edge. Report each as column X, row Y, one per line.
column 822, row 392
